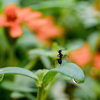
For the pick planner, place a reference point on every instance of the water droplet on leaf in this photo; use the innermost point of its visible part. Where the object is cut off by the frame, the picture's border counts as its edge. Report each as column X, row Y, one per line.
column 78, row 82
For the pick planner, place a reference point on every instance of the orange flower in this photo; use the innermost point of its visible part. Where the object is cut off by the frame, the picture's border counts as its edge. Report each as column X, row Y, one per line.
column 97, row 5
column 81, row 56
column 47, row 32
column 96, row 61
column 24, row 13
column 2, row 21
column 11, row 13
column 45, row 28
column 95, row 70
column 32, row 16
column 11, row 20
column 36, row 24
column 15, row 31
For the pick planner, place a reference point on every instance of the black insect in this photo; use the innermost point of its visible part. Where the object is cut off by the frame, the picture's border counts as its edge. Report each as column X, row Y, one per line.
column 60, row 55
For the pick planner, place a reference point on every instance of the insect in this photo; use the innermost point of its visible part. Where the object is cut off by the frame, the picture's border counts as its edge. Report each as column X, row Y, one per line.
column 60, row 55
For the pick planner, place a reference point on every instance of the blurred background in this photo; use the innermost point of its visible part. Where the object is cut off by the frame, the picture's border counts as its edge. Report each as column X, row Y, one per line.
column 32, row 32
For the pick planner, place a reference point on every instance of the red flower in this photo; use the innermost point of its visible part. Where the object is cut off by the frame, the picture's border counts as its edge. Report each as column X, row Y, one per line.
column 81, row 56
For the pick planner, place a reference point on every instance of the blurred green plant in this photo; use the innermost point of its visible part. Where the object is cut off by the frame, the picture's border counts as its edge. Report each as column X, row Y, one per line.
column 44, row 77
column 80, row 20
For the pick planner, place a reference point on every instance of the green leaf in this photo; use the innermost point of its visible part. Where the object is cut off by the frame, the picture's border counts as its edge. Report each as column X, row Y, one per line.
column 18, row 70
column 17, row 87
column 40, row 73
column 6, row 2
column 93, row 40
column 1, row 77
column 17, row 95
column 40, row 52
column 76, row 44
column 69, row 69
column 45, row 60
column 27, row 40
column 52, row 4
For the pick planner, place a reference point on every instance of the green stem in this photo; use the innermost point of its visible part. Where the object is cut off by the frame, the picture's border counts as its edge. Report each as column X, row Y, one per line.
column 40, row 93
column 48, row 89
column 31, row 64
column 11, row 55
column 11, row 43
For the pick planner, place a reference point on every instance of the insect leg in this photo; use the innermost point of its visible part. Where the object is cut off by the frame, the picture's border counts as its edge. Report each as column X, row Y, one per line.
column 54, row 62
column 66, row 57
